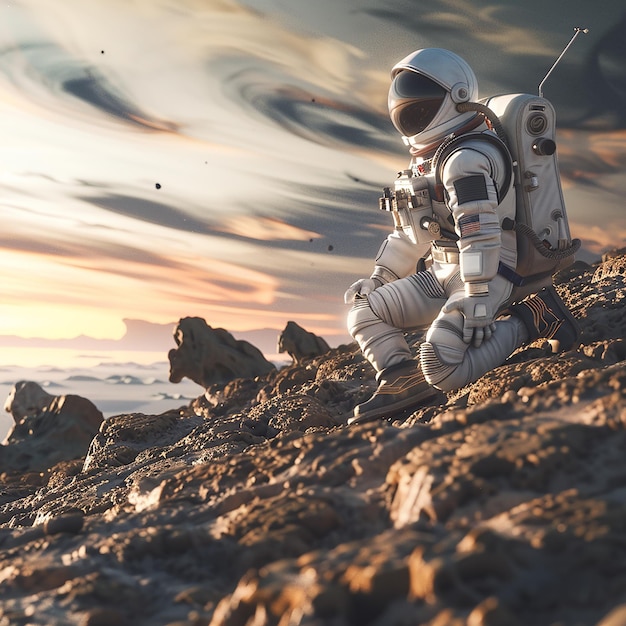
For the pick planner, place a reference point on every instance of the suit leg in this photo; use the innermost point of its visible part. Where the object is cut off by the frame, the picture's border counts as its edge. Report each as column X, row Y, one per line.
column 377, row 321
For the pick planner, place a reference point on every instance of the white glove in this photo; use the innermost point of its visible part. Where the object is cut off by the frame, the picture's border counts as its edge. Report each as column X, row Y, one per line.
column 478, row 325
column 361, row 287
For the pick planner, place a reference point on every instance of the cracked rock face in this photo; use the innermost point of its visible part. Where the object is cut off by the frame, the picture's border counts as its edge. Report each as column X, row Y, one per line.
column 503, row 503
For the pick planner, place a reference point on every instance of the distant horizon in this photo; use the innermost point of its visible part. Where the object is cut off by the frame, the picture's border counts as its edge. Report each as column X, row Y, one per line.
column 148, row 341
column 113, row 387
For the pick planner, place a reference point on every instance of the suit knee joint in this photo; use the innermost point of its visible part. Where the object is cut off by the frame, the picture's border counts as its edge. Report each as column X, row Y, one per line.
column 360, row 316
column 439, row 365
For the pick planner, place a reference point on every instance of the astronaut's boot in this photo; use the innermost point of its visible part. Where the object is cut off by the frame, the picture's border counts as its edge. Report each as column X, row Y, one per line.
column 400, row 387
column 546, row 317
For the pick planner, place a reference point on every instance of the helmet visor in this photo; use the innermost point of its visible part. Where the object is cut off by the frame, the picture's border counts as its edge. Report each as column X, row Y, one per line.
column 413, row 102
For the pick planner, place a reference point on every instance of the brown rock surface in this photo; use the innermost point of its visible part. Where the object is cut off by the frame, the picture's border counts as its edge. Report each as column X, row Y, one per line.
column 300, row 344
column 501, row 504
column 209, row 355
column 47, row 430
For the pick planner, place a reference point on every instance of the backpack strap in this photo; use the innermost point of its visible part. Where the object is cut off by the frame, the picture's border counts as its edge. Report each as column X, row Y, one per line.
column 454, row 143
column 521, row 281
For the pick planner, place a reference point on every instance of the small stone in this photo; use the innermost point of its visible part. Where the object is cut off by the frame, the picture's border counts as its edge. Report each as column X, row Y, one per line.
column 491, row 613
column 104, row 616
column 71, row 523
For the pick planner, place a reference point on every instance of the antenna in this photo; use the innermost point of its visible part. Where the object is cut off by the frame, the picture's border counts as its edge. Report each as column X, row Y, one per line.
column 577, row 31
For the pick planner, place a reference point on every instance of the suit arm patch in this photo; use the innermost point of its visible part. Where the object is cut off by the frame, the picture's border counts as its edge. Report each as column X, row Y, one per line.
column 469, row 225
column 471, row 189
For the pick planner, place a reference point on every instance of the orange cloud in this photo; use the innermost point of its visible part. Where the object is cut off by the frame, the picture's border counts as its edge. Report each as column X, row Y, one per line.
column 264, row 229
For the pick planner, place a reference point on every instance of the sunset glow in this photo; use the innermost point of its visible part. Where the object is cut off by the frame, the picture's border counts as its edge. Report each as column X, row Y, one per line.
column 224, row 159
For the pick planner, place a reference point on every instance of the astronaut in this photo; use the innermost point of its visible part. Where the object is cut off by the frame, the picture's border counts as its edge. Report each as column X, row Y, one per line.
column 442, row 273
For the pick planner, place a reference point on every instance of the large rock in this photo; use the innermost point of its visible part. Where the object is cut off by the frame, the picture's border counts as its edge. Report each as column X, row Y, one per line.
column 300, row 344
column 47, row 429
column 26, row 398
column 212, row 355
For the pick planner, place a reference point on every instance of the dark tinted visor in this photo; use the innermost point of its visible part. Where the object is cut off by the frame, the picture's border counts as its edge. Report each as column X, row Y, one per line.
column 413, row 102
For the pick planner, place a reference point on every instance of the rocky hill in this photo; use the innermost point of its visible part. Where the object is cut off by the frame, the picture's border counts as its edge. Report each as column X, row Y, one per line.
column 502, row 504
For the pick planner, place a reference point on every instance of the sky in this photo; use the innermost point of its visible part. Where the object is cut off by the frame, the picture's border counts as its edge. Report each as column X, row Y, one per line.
column 223, row 159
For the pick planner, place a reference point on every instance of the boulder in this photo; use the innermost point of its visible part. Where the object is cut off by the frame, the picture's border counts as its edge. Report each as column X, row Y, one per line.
column 26, row 398
column 212, row 355
column 48, row 429
column 300, row 343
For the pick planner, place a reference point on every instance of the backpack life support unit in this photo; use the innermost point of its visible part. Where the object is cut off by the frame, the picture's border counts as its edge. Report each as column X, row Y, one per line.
column 525, row 126
column 544, row 243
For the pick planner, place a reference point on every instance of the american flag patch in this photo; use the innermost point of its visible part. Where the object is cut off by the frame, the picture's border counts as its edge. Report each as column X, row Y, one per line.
column 469, row 225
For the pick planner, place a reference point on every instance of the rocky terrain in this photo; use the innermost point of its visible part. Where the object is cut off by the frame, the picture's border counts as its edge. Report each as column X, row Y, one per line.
column 502, row 504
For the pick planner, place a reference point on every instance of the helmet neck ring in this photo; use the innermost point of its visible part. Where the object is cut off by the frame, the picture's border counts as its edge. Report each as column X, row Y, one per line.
column 428, row 151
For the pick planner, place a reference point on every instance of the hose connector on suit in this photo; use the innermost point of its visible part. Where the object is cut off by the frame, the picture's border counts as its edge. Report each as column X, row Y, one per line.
column 486, row 112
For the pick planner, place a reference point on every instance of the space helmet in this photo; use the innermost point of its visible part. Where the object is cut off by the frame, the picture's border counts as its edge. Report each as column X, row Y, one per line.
column 425, row 89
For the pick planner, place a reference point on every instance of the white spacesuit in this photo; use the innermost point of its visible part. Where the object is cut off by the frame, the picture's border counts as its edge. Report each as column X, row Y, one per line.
column 439, row 269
